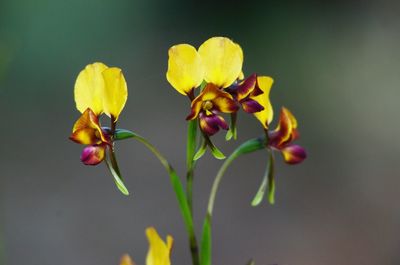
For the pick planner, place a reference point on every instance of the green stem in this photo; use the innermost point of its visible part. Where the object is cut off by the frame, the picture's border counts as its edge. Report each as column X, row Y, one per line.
column 190, row 164
column 180, row 194
column 206, row 241
column 218, row 179
column 245, row 148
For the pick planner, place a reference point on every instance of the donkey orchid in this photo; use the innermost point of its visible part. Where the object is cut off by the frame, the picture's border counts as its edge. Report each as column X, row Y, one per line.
column 207, row 106
column 282, row 137
column 98, row 89
column 217, row 63
column 286, row 132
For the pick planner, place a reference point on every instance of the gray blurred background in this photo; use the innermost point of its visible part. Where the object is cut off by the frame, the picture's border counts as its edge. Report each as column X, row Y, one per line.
column 336, row 65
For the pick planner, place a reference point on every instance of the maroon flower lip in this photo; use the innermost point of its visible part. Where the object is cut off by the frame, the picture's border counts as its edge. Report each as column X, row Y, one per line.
column 210, row 124
column 93, row 154
column 245, row 94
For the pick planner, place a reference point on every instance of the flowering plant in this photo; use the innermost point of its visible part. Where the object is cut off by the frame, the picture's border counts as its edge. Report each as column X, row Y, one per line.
column 212, row 79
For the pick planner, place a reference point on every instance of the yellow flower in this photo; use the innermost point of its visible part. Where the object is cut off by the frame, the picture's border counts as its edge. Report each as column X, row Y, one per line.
column 185, row 68
column 218, row 61
column 102, row 89
column 223, row 61
column 159, row 251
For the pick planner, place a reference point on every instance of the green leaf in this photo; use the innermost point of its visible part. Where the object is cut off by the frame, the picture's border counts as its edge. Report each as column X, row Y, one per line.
column 117, row 179
column 271, row 180
column 229, row 135
column 267, row 181
column 201, row 151
column 261, row 191
column 250, row 146
column 216, row 152
column 122, row 134
column 232, row 132
column 205, row 252
column 181, row 196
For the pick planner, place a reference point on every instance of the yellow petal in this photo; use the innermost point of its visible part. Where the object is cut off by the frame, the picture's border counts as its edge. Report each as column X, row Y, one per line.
column 185, row 68
column 87, row 129
column 265, row 116
column 126, row 260
column 89, row 88
column 222, row 60
column 115, row 92
column 159, row 251
column 290, row 115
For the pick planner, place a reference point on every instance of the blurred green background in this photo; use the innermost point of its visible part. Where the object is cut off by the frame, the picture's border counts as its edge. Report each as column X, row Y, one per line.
column 336, row 65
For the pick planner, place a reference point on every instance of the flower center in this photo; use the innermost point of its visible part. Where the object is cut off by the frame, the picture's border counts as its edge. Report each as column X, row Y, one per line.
column 97, row 134
column 207, row 105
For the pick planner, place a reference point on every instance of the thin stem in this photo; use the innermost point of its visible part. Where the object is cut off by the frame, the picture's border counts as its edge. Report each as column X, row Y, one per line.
column 245, row 148
column 182, row 200
column 111, row 152
column 217, row 181
column 190, row 164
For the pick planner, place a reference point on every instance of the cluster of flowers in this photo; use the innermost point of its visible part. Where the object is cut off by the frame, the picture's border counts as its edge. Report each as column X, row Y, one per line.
column 212, row 78
column 216, row 70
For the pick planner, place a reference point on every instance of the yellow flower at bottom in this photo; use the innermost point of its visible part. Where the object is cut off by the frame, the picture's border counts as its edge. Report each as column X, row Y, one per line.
column 159, row 251
column 126, row 260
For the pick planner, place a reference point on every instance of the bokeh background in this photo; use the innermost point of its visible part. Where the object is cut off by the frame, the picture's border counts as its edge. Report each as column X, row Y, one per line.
column 336, row 65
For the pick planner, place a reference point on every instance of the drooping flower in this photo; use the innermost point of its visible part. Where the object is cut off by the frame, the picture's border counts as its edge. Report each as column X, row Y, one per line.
column 282, row 137
column 159, row 251
column 208, row 105
column 98, row 89
column 87, row 131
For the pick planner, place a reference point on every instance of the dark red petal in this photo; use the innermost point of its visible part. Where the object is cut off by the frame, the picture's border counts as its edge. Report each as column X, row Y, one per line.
column 251, row 106
column 246, row 87
column 293, row 154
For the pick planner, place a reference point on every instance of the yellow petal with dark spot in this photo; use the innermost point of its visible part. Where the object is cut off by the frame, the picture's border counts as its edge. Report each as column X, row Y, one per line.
column 265, row 116
column 87, row 129
column 185, row 68
column 159, row 251
column 222, row 60
column 115, row 92
column 89, row 87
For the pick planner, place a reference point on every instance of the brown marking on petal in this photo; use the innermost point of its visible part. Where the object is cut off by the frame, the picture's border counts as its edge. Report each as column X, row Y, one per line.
column 251, row 106
column 87, row 129
column 246, row 87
